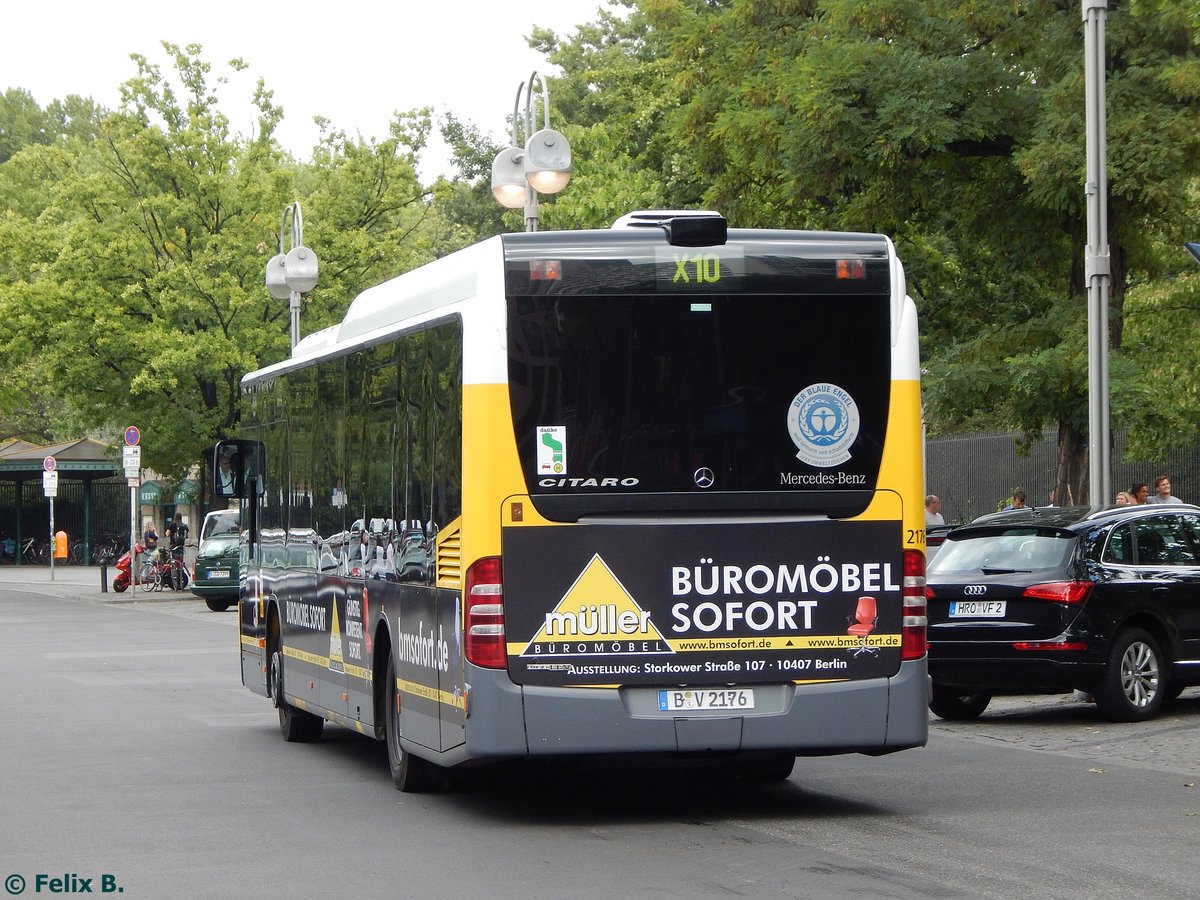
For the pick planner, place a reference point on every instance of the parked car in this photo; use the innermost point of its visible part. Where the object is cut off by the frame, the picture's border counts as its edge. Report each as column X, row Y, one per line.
column 215, row 575
column 1052, row 600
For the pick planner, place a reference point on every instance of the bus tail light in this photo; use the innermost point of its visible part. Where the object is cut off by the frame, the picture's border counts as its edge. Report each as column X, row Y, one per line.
column 1060, row 591
column 483, row 615
column 912, row 631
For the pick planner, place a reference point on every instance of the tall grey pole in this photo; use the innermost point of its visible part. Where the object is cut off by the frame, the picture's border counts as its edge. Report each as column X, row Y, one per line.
column 1096, row 259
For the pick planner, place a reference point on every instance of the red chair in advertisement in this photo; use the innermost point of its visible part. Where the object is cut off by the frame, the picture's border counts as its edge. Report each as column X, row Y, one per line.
column 862, row 623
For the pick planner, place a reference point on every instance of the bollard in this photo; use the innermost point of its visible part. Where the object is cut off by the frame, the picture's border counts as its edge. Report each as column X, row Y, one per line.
column 104, row 578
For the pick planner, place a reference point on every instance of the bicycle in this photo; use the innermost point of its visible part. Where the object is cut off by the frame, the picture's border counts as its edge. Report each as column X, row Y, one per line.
column 154, row 571
column 177, row 571
column 35, row 551
column 107, row 548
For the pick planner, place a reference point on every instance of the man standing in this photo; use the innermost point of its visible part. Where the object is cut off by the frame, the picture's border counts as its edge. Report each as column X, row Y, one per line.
column 933, row 511
column 177, row 536
column 1162, row 491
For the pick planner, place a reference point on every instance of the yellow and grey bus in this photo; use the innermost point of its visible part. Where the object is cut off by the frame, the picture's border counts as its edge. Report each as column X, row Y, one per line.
column 651, row 491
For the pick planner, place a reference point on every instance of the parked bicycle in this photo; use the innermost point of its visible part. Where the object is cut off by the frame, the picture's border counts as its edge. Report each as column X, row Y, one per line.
column 162, row 570
column 35, row 551
column 107, row 548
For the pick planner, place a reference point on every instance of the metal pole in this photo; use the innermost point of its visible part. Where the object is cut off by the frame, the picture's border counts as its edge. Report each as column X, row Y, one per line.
column 133, row 528
column 53, row 546
column 1096, row 256
column 294, row 305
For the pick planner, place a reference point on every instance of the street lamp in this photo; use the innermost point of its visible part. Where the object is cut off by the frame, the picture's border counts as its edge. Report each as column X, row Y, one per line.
column 294, row 273
column 542, row 165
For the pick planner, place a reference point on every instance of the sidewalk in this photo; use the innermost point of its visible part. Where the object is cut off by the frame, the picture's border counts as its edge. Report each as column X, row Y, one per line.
column 81, row 582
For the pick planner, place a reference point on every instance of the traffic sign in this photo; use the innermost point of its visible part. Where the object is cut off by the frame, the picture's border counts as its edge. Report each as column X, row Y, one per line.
column 50, row 483
column 131, row 459
column 132, row 436
column 49, row 463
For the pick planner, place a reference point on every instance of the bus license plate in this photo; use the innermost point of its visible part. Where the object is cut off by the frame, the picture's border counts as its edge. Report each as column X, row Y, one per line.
column 977, row 609
column 705, row 698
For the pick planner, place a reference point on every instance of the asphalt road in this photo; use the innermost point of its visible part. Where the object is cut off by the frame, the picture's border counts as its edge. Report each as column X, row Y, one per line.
column 129, row 749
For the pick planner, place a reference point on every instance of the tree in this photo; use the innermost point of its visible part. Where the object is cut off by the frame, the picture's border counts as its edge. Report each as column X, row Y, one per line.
column 136, row 272
column 956, row 126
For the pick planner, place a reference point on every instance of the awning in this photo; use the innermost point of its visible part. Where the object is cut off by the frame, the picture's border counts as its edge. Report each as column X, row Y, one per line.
column 150, row 493
column 186, row 492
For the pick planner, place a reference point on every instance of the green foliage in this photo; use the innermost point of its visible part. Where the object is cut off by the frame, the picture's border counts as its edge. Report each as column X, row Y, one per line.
column 131, row 265
column 132, row 242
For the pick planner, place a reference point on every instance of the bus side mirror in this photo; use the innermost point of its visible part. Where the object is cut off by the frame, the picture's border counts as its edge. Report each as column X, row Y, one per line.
column 238, row 468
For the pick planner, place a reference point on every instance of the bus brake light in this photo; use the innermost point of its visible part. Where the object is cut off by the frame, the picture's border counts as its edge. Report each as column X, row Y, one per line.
column 545, row 269
column 912, row 630
column 851, row 268
column 483, row 620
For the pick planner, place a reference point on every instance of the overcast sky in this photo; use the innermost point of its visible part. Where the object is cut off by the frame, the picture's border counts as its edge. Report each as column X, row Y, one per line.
column 352, row 61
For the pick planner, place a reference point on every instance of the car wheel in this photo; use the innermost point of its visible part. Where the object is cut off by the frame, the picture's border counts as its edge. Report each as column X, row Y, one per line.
column 410, row 774
column 1133, row 687
column 217, row 605
column 957, row 706
column 296, row 725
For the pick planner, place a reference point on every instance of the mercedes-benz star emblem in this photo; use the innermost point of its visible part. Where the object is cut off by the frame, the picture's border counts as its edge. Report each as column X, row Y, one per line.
column 704, row 478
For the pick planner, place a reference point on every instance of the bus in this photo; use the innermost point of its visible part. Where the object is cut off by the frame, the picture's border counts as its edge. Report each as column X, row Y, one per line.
column 652, row 491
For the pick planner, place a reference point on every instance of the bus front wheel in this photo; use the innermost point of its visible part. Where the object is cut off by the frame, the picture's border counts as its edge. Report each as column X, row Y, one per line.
column 410, row 774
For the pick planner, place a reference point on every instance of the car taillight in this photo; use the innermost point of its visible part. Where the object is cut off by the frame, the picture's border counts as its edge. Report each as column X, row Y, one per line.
column 1060, row 591
column 483, row 615
column 912, row 631
column 1049, row 645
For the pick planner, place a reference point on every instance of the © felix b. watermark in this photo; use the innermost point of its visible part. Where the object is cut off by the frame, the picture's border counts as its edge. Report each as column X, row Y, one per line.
column 67, row 883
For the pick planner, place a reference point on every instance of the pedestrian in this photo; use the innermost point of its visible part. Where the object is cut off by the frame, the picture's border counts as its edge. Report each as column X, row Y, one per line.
column 149, row 542
column 1162, row 491
column 1139, row 491
column 1124, row 499
column 933, row 511
column 177, row 533
column 1018, row 500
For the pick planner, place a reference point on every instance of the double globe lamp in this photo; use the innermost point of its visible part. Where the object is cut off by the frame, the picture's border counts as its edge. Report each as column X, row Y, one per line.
column 541, row 166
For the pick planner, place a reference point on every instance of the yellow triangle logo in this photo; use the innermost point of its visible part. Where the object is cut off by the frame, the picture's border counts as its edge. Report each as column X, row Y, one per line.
column 596, row 615
column 335, row 642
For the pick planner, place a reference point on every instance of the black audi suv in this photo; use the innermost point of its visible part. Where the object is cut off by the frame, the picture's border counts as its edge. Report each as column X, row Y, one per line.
column 1050, row 600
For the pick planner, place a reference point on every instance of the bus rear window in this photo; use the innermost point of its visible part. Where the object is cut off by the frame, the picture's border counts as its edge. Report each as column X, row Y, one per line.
column 717, row 397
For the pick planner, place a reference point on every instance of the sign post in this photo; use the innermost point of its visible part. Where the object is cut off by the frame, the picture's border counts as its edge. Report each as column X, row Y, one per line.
column 50, row 488
column 131, row 459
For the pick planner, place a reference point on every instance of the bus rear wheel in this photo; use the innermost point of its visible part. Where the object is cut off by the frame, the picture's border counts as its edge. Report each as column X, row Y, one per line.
column 296, row 725
column 409, row 773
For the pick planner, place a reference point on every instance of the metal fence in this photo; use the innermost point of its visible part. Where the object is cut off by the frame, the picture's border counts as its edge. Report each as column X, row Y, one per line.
column 976, row 474
column 108, row 515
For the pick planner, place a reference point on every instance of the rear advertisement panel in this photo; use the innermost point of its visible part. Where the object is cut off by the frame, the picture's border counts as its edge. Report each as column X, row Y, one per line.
column 702, row 604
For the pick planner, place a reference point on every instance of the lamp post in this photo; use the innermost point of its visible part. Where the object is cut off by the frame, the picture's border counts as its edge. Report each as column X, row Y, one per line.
column 1096, row 257
column 294, row 273
column 542, row 164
